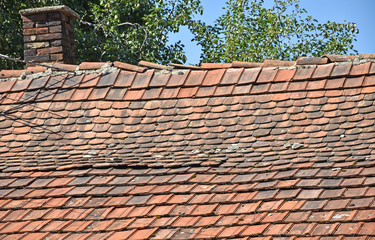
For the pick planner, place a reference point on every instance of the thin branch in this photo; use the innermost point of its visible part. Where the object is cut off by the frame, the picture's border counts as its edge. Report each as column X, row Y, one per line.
column 87, row 23
column 32, row 62
column 101, row 26
column 127, row 23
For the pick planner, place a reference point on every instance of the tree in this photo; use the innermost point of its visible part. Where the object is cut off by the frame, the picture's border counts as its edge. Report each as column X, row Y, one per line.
column 248, row 31
column 134, row 30
column 109, row 30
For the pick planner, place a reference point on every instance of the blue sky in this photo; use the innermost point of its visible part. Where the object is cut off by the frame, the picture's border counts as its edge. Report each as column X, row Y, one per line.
column 360, row 12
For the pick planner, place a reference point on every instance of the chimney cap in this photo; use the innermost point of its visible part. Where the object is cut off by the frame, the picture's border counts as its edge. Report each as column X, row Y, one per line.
column 63, row 9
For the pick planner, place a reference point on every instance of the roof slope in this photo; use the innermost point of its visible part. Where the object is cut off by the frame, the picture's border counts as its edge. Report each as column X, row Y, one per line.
column 268, row 152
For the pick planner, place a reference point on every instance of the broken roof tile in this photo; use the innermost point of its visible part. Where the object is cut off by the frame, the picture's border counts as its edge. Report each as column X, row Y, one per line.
column 169, row 93
column 152, row 93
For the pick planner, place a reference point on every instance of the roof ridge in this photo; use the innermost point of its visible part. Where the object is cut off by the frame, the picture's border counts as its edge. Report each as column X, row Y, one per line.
column 301, row 62
column 113, row 83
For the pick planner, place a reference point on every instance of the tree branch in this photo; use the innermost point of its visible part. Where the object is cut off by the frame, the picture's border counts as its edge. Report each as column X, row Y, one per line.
column 32, row 62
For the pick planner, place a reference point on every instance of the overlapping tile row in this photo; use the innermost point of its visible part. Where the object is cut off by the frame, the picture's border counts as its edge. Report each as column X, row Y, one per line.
column 79, row 158
column 241, row 131
column 133, row 86
column 289, row 200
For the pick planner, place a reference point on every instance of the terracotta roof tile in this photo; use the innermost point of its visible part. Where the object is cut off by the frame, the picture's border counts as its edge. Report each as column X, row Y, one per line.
column 215, row 65
column 178, row 79
column 134, row 94
column 341, row 70
column 21, row 85
column 129, row 67
column 188, row 92
column 323, row 71
column 71, row 81
column 312, row 60
column 91, row 65
column 11, row 73
column 224, row 153
column 267, row 75
column 231, row 76
column 142, row 80
column 99, row 93
column 152, row 65
column 213, row 77
column 35, row 69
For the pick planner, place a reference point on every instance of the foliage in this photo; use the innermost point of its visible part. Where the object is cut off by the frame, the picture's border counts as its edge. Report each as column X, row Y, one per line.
column 133, row 30
column 248, row 31
column 124, row 30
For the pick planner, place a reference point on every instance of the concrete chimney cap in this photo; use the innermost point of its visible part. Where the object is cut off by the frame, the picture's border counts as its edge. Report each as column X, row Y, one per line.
column 64, row 9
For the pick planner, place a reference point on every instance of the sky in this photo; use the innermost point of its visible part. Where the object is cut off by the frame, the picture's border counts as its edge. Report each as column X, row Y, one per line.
column 360, row 12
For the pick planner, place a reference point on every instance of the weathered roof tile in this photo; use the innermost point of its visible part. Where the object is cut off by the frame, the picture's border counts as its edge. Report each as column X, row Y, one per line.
column 129, row 67
column 213, row 77
column 267, row 75
column 181, row 154
column 142, row 80
column 91, row 65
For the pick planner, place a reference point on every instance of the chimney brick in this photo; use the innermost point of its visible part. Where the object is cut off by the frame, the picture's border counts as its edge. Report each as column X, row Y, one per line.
column 48, row 34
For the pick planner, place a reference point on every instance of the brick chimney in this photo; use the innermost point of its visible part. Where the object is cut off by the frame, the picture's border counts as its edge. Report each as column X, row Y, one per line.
column 48, row 34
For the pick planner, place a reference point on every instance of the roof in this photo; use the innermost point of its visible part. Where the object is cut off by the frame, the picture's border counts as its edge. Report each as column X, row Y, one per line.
column 273, row 150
